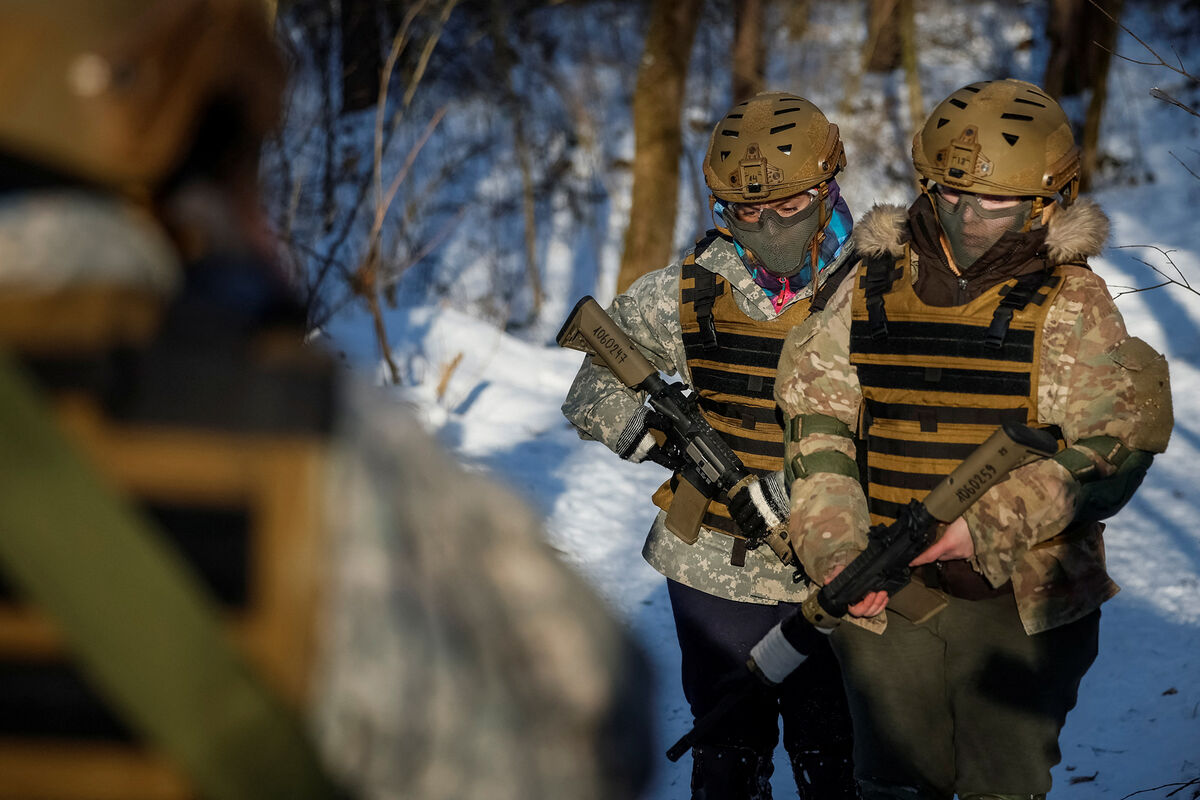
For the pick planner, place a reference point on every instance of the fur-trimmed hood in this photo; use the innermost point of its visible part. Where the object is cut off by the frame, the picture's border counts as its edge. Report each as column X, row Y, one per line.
column 1074, row 233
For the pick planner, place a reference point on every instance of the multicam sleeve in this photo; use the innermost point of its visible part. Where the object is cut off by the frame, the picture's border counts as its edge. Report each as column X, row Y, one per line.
column 1089, row 386
column 818, row 392
column 598, row 404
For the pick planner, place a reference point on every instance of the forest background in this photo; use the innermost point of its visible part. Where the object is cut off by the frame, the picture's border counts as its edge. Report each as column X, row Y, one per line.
column 454, row 174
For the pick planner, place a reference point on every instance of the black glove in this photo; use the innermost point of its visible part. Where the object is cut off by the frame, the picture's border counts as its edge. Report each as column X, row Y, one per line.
column 760, row 506
column 637, row 442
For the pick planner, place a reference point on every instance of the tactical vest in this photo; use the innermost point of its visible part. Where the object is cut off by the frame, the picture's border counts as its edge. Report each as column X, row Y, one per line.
column 936, row 382
column 732, row 360
column 223, row 448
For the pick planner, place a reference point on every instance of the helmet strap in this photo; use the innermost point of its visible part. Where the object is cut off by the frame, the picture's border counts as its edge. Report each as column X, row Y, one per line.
column 721, row 229
column 1070, row 191
column 818, row 238
column 1036, row 212
column 942, row 240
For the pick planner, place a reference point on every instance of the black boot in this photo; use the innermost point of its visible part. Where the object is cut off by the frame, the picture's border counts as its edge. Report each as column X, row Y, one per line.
column 721, row 772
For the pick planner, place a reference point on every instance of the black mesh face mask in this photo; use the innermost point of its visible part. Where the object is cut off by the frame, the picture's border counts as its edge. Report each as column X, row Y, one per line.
column 971, row 229
column 778, row 242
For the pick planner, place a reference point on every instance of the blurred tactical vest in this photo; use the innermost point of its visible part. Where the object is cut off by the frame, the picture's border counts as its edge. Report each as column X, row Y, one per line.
column 184, row 500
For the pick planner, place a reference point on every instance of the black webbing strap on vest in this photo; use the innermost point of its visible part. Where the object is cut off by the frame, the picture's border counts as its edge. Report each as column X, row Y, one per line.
column 704, row 294
column 880, row 274
column 1014, row 298
column 135, row 618
column 832, row 282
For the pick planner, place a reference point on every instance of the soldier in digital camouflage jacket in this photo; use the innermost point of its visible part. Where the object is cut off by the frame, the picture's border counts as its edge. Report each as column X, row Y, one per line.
column 448, row 653
column 725, row 596
column 1025, row 590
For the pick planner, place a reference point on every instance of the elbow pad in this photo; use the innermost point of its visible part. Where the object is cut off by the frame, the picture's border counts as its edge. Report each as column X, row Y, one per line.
column 1102, row 497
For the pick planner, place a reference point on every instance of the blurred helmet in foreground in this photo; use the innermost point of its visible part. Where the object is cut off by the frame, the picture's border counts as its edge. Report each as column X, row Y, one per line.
column 113, row 91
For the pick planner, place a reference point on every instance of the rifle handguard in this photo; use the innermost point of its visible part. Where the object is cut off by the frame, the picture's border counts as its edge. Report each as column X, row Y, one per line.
column 1008, row 447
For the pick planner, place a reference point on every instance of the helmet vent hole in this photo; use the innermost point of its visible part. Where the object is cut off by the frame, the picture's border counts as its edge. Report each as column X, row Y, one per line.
column 1021, row 117
column 1029, row 102
column 727, row 132
column 786, row 149
column 734, row 116
column 786, row 111
column 942, row 121
column 954, row 101
column 1011, row 138
column 972, row 89
column 782, row 128
column 724, row 154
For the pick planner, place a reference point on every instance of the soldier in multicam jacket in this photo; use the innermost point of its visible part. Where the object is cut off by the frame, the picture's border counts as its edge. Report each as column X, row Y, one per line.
column 973, row 308
column 456, row 657
column 718, row 319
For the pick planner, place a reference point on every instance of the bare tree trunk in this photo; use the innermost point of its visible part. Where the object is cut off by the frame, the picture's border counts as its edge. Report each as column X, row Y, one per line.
column 362, row 54
column 504, row 62
column 796, row 18
column 1106, row 38
column 883, row 37
column 749, row 55
column 880, row 22
column 908, row 55
column 1082, row 35
column 658, row 137
column 1074, row 27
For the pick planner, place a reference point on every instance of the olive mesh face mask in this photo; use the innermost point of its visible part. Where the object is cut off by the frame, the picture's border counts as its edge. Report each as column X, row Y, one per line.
column 972, row 229
column 779, row 242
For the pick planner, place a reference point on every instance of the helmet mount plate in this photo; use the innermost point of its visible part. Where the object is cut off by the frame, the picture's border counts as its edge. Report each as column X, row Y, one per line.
column 962, row 160
column 754, row 174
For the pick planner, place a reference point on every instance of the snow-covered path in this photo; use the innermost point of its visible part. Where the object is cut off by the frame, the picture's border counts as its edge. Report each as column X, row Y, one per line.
column 1137, row 725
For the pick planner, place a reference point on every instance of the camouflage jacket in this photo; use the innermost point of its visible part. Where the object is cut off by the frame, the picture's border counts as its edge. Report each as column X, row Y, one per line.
column 1086, row 384
column 456, row 656
column 600, row 406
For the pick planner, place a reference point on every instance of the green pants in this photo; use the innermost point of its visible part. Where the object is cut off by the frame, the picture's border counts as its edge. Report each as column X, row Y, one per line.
column 966, row 702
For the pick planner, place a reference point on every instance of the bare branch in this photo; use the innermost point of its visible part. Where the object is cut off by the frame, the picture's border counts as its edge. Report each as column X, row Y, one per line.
column 399, row 42
column 1158, row 62
column 1168, row 280
column 381, row 211
column 430, row 44
column 1159, row 94
column 1185, row 166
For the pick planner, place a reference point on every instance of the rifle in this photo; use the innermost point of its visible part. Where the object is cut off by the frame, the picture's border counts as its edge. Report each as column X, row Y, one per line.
column 883, row 565
column 713, row 468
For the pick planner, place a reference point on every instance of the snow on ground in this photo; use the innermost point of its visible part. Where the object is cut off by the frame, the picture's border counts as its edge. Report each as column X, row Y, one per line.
column 1137, row 725
column 493, row 399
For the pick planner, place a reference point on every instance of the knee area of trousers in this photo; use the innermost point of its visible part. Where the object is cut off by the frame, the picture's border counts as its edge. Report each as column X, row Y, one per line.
column 874, row 790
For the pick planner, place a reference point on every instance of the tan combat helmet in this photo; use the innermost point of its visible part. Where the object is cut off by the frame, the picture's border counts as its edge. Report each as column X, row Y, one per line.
column 135, row 75
column 1004, row 137
column 772, row 146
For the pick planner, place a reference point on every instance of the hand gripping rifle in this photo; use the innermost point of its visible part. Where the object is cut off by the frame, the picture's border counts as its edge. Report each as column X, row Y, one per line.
column 713, row 468
column 884, row 565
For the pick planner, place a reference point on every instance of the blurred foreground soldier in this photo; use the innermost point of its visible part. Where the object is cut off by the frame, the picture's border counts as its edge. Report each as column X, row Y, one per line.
column 974, row 308
column 719, row 318
column 188, row 476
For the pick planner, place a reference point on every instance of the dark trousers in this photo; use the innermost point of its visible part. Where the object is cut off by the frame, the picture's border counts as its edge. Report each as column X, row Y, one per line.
column 715, row 637
column 966, row 702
